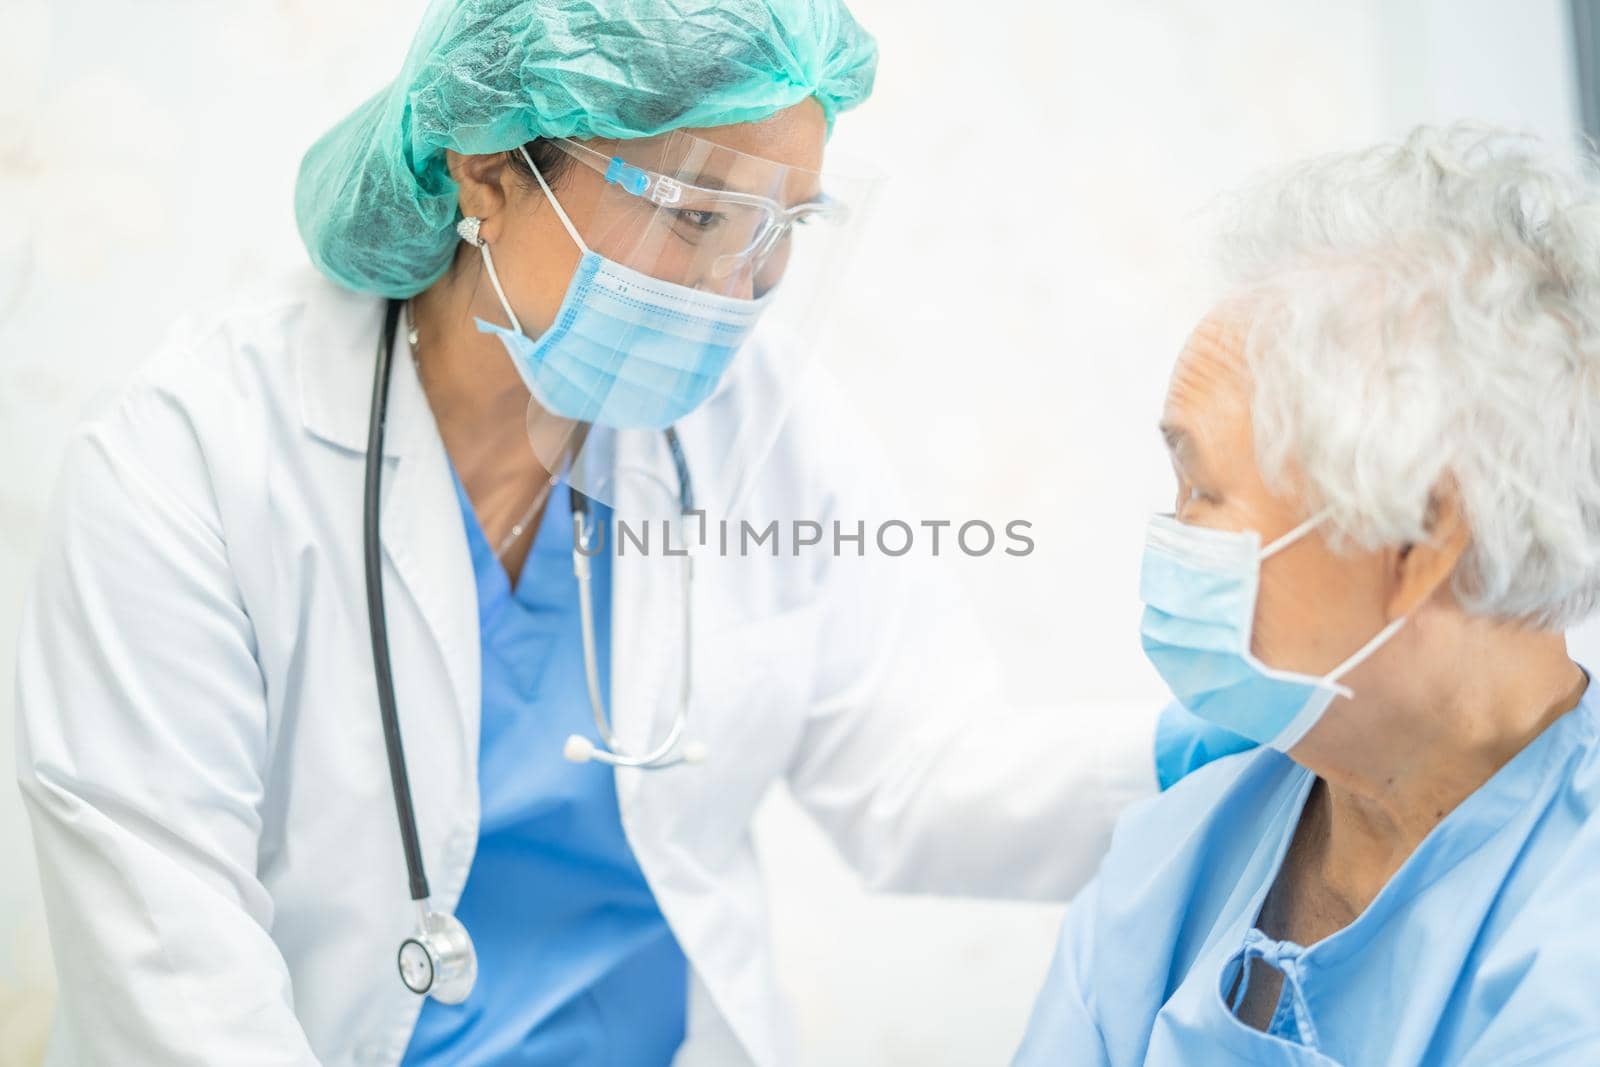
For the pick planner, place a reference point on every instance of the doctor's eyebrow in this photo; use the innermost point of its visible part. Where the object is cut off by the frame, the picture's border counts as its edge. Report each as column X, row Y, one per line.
column 1178, row 440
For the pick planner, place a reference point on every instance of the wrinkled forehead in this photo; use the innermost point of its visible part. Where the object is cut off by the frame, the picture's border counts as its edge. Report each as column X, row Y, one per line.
column 1207, row 411
column 1210, row 383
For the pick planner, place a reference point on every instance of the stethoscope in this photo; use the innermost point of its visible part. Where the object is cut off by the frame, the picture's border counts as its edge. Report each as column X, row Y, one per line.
column 438, row 959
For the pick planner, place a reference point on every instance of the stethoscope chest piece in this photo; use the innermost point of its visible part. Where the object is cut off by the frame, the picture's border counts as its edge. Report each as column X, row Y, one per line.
column 439, row 960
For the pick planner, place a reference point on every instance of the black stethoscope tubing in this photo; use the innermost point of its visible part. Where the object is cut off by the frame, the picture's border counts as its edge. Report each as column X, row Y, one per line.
column 373, row 560
column 376, row 623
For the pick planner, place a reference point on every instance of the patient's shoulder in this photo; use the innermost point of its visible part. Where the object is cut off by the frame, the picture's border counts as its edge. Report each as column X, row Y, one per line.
column 1223, row 800
column 1183, row 863
column 1537, row 950
column 1182, row 867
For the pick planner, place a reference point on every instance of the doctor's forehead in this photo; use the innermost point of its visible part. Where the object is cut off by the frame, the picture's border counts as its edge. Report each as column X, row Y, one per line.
column 1208, row 397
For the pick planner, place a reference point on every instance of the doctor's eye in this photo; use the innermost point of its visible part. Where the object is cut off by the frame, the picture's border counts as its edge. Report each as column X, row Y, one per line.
column 699, row 219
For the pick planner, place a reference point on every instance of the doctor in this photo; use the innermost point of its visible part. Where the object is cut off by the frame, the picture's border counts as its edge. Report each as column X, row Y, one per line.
column 316, row 570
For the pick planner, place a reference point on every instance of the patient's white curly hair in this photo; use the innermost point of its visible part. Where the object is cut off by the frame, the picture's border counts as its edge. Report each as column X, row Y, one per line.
column 1427, row 319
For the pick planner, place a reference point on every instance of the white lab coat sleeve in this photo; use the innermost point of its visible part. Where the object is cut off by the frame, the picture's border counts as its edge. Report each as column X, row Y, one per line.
column 911, row 760
column 142, row 738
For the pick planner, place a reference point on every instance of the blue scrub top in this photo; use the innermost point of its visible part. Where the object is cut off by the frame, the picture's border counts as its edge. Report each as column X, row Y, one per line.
column 1483, row 949
column 576, row 965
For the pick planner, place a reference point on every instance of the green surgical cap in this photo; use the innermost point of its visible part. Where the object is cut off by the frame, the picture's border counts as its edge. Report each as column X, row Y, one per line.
column 374, row 201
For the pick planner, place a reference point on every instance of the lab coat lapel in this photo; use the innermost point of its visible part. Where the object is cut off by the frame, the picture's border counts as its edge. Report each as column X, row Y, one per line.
column 424, row 538
column 420, row 523
column 646, row 604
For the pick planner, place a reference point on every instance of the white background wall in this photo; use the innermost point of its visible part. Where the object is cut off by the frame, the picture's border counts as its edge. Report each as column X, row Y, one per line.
column 1016, row 306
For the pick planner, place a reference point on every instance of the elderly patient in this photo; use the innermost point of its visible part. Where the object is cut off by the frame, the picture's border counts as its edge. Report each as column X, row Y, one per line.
column 1387, row 447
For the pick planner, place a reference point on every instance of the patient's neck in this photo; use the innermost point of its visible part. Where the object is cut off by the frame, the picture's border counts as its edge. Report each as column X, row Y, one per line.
column 1438, row 715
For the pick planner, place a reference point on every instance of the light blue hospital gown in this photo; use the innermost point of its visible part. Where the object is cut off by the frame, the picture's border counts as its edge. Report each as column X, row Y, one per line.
column 1482, row 951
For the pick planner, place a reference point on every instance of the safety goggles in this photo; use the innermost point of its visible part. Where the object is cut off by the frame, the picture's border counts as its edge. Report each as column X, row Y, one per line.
column 746, row 229
column 699, row 213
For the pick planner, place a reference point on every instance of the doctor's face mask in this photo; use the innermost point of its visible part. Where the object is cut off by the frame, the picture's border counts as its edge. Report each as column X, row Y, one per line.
column 1250, row 617
column 628, row 290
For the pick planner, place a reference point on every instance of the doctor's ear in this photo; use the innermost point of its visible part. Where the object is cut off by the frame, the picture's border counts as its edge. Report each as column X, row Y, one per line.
column 481, row 187
column 1421, row 568
column 487, row 184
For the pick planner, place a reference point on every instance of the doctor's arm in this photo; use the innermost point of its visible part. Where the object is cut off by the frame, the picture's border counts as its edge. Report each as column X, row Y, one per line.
column 910, row 760
column 925, row 779
column 142, row 737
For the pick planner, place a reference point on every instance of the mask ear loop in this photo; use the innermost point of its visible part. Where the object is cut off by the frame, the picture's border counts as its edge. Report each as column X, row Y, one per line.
column 468, row 229
column 1366, row 650
column 572, row 231
column 1294, row 535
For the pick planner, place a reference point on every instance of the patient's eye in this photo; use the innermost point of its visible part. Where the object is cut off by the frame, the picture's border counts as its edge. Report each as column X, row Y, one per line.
column 1194, row 488
column 1192, row 498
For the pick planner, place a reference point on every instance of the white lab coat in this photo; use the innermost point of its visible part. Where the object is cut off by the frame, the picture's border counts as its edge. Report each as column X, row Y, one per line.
column 201, row 752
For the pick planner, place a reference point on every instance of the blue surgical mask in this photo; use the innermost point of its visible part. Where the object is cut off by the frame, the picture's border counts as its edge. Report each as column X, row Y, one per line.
column 1199, row 588
column 626, row 350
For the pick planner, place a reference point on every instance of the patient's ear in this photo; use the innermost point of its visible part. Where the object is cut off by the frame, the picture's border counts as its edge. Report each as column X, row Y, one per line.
column 1423, row 568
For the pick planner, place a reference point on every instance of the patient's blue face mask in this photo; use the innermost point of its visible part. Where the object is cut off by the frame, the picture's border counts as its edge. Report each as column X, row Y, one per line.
column 626, row 350
column 1199, row 588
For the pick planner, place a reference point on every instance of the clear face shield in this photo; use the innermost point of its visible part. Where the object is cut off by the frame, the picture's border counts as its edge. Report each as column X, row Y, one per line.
column 705, row 276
